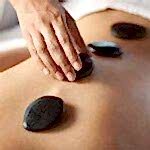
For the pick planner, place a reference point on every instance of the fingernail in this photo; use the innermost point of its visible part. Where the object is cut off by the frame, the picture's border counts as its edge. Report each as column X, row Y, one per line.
column 45, row 71
column 70, row 76
column 77, row 66
column 59, row 75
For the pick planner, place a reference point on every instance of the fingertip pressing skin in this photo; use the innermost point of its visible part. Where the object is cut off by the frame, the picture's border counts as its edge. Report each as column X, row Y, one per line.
column 70, row 76
column 59, row 76
column 50, row 39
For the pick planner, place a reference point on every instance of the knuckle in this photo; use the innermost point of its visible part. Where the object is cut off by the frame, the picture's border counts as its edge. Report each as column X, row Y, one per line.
column 41, row 50
column 56, row 14
column 65, row 66
column 59, row 21
column 73, row 58
column 55, row 48
column 44, row 23
column 64, row 40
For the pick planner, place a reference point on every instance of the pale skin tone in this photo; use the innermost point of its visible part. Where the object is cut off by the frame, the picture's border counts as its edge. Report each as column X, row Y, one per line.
column 50, row 40
column 108, row 110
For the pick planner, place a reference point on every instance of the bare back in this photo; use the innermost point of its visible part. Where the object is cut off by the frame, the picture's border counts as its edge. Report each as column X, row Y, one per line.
column 108, row 110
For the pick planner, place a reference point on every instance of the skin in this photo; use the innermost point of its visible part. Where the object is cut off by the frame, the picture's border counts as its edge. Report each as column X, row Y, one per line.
column 107, row 110
column 12, row 57
column 49, row 40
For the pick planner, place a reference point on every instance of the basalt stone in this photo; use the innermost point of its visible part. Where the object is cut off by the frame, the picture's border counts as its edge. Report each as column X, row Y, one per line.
column 105, row 49
column 128, row 31
column 87, row 66
column 43, row 113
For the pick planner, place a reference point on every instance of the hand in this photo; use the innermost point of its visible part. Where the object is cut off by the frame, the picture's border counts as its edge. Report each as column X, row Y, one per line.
column 52, row 37
column 75, row 35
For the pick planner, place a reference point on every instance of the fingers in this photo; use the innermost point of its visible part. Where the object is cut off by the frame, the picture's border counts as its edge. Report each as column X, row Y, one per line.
column 49, row 41
column 34, row 54
column 75, row 34
column 66, row 43
column 57, row 52
column 45, row 56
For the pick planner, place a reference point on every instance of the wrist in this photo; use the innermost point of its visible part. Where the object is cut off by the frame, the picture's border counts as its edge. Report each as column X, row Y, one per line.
column 17, row 4
column 23, row 5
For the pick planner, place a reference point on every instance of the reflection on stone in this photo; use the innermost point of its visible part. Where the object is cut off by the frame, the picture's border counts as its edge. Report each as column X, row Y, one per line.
column 105, row 49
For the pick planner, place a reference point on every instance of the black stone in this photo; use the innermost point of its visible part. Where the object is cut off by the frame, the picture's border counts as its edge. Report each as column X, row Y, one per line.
column 61, row 0
column 105, row 49
column 128, row 31
column 87, row 66
column 42, row 113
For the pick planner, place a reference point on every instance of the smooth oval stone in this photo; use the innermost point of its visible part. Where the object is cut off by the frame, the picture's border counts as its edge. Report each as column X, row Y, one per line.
column 105, row 49
column 42, row 113
column 128, row 31
column 87, row 66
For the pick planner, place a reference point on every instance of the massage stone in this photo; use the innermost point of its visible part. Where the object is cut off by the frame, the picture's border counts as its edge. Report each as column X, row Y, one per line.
column 42, row 113
column 128, row 31
column 87, row 66
column 105, row 49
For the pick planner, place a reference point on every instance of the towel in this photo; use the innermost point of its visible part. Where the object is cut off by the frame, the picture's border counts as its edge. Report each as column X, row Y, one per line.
column 77, row 8
column 80, row 8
